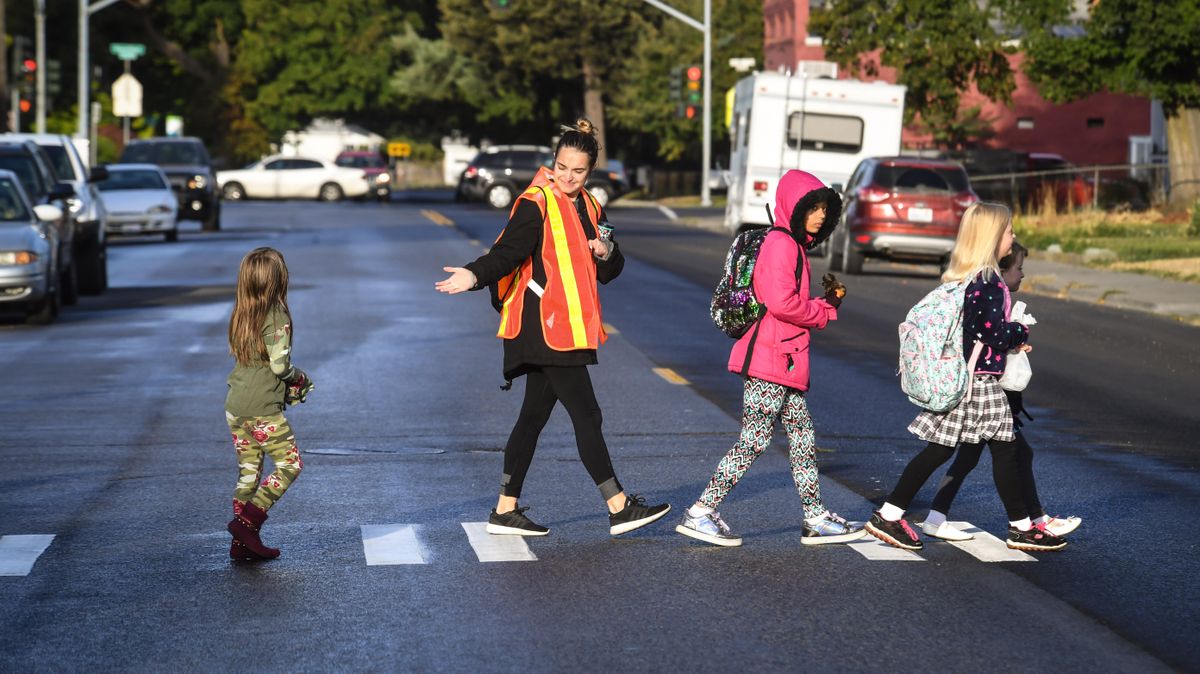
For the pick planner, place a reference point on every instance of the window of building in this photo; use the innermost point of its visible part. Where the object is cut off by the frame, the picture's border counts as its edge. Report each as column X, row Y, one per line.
column 1025, row 123
column 827, row 133
column 1095, row 123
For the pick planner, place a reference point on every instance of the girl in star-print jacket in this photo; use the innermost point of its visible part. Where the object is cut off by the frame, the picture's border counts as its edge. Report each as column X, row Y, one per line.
column 983, row 416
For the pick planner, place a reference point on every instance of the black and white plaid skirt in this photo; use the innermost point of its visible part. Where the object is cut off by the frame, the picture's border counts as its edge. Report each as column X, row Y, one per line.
column 984, row 417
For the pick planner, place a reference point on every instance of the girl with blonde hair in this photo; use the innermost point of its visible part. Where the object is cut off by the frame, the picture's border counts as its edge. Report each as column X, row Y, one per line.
column 262, row 382
column 983, row 416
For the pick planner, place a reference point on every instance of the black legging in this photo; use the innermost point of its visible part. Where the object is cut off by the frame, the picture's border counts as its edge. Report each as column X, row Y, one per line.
column 965, row 461
column 1005, row 471
column 544, row 386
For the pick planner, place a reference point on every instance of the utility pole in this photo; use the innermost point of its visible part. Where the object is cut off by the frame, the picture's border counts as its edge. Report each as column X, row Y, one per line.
column 85, row 73
column 39, row 21
column 706, row 28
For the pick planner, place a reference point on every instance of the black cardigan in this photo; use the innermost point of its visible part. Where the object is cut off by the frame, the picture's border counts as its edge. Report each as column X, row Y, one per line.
column 522, row 239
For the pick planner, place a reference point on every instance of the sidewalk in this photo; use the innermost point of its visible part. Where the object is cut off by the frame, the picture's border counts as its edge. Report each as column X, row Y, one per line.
column 1045, row 275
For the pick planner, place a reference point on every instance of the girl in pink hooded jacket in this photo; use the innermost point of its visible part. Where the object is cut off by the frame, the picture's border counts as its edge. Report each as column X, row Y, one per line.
column 773, row 357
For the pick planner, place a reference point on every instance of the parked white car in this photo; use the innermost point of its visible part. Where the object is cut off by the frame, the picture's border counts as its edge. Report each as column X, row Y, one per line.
column 280, row 177
column 140, row 201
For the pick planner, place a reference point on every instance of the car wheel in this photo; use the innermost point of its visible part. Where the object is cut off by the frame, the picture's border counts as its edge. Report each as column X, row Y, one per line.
column 852, row 258
column 69, row 280
column 171, row 235
column 835, row 256
column 213, row 222
column 499, row 196
column 92, row 258
column 233, row 192
column 45, row 311
column 601, row 194
column 330, row 192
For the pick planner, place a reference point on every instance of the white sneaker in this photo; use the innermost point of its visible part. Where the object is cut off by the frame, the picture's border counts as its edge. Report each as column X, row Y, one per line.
column 1061, row 526
column 945, row 532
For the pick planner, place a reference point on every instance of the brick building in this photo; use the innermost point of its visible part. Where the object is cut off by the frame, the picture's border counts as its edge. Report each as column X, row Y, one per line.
column 1095, row 130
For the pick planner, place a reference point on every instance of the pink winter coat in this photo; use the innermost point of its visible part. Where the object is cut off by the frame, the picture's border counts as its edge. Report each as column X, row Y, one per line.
column 780, row 352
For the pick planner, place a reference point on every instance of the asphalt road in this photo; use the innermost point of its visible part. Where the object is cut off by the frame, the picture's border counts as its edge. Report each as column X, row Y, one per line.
column 114, row 442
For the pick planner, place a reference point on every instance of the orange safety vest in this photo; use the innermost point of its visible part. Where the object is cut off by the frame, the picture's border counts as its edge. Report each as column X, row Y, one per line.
column 570, row 306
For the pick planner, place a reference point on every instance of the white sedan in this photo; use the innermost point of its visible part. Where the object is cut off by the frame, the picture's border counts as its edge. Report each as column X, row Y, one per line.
column 139, row 200
column 292, row 178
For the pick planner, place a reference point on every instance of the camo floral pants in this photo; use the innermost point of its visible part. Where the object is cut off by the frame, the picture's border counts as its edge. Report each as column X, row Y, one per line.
column 762, row 403
column 254, row 438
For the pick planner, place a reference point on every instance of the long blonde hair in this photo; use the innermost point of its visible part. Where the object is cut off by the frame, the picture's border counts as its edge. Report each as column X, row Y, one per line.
column 979, row 235
column 262, row 284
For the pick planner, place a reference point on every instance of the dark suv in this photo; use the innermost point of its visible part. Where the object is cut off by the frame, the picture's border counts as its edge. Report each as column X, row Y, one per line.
column 498, row 174
column 186, row 163
column 36, row 174
column 900, row 208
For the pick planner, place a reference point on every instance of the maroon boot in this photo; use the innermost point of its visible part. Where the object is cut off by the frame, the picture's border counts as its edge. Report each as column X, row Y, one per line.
column 245, row 527
column 240, row 553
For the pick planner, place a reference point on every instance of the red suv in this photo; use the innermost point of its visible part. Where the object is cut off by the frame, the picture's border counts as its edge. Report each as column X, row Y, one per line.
column 374, row 165
column 900, row 208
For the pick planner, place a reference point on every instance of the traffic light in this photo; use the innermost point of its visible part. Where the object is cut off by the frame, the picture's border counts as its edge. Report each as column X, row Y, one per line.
column 675, row 84
column 694, row 75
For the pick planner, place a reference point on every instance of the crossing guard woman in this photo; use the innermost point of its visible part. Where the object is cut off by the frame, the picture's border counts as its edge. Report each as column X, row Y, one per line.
column 543, row 270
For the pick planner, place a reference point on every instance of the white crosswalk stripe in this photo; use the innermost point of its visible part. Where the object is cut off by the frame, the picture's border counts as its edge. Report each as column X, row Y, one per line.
column 388, row 544
column 19, row 552
column 986, row 547
column 491, row 548
column 876, row 550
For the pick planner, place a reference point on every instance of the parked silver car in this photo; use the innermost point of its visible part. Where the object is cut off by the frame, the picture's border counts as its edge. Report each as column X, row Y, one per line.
column 29, row 250
column 86, row 208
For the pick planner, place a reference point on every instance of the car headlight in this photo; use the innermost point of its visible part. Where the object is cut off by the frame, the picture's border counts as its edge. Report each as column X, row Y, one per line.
column 383, row 179
column 17, row 257
column 75, row 204
column 197, row 183
column 160, row 209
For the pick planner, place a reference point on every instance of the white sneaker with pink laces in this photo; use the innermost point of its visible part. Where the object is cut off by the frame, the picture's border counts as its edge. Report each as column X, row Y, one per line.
column 1061, row 526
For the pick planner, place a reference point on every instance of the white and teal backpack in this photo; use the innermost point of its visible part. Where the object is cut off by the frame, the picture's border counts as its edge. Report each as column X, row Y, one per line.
column 932, row 371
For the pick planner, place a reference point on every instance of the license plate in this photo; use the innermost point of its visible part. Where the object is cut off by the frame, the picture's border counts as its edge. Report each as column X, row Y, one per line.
column 135, row 227
column 920, row 214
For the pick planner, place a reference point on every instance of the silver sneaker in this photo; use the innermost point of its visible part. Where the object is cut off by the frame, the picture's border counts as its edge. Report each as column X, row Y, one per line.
column 833, row 528
column 709, row 528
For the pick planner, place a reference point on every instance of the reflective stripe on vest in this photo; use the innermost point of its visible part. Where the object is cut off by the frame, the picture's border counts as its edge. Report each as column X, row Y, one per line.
column 566, row 272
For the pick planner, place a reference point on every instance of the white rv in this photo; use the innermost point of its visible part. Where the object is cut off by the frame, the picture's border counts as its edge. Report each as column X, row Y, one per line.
column 823, row 126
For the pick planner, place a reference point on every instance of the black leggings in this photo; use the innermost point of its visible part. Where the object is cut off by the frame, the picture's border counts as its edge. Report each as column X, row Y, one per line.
column 1005, row 471
column 965, row 461
column 545, row 386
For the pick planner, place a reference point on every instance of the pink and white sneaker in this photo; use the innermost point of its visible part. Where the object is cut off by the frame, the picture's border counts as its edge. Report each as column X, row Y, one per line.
column 1061, row 526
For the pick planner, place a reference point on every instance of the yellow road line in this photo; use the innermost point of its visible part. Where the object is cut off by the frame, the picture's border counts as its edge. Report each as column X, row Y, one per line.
column 437, row 218
column 671, row 376
column 608, row 327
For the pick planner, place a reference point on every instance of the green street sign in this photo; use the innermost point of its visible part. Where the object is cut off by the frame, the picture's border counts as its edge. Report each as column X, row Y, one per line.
column 127, row 51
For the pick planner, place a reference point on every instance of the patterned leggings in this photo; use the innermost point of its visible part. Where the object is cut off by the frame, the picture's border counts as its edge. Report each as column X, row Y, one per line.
column 253, row 438
column 762, row 403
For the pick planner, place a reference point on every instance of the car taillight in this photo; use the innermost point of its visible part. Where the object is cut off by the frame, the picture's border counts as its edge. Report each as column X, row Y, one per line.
column 873, row 195
column 965, row 200
column 760, row 186
column 471, row 172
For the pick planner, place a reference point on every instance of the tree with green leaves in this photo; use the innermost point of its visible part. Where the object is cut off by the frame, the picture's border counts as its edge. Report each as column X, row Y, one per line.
column 544, row 61
column 642, row 103
column 310, row 58
column 1141, row 47
column 938, row 49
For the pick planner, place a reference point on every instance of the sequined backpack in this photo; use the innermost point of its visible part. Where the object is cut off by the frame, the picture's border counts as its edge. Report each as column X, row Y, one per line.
column 734, row 307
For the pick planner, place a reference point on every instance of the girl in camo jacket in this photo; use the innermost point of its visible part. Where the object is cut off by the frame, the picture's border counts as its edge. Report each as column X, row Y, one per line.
column 262, row 382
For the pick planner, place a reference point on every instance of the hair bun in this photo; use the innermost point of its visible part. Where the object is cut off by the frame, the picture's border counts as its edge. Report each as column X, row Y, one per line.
column 582, row 125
